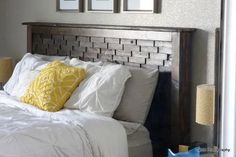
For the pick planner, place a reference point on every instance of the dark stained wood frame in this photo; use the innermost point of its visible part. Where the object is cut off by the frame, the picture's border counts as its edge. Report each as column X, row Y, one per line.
column 178, row 63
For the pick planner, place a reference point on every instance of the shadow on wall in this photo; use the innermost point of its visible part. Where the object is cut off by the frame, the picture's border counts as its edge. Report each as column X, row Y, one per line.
column 199, row 76
column 199, row 57
column 159, row 2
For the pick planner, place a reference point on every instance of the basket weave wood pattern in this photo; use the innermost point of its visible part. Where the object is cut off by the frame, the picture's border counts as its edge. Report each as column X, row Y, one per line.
column 135, row 52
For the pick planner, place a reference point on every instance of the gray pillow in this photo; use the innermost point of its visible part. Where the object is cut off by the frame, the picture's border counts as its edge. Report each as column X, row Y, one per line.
column 138, row 95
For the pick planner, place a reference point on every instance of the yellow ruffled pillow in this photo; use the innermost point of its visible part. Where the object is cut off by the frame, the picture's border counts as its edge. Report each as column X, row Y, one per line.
column 54, row 85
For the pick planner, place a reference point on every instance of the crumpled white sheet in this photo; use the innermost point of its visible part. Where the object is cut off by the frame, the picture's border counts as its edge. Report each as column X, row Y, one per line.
column 130, row 127
column 26, row 131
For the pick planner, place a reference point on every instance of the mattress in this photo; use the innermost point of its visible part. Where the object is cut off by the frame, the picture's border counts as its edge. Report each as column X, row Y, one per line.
column 139, row 143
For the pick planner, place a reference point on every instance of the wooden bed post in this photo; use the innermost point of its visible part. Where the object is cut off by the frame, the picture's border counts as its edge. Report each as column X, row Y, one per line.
column 29, row 38
column 180, row 89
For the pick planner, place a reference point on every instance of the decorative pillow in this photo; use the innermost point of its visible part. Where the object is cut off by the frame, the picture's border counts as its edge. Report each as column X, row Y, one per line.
column 138, row 95
column 53, row 86
column 101, row 92
column 29, row 62
column 192, row 153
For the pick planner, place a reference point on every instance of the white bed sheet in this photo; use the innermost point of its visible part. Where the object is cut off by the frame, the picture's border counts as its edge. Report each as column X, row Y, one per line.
column 26, row 131
column 139, row 142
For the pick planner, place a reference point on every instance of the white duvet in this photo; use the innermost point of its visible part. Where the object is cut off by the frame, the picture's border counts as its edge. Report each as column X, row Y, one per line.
column 26, row 131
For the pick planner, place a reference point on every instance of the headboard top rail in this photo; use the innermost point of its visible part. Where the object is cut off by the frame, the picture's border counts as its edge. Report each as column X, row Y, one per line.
column 113, row 27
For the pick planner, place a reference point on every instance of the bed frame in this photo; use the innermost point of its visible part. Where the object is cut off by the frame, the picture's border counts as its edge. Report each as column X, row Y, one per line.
column 167, row 49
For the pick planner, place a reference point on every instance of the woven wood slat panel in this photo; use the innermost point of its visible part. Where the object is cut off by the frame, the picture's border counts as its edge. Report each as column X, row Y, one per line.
column 132, row 52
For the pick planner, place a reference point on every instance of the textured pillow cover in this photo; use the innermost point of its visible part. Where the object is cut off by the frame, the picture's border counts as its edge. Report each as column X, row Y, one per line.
column 53, row 86
column 138, row 95
column 192, row 153
column 29, row 62
column 101, row 92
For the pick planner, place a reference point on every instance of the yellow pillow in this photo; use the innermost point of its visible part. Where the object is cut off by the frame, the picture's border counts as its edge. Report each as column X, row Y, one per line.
column 54, row 85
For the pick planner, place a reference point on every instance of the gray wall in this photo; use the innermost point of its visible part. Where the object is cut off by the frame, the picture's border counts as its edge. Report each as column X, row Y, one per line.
column 2, row 28
column 201, row 14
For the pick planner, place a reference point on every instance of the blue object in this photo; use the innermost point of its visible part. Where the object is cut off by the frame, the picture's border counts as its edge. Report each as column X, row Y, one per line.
column 192, row 153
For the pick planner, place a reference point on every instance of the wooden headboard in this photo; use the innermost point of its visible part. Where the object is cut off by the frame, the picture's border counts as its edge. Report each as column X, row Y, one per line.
column 167, row 49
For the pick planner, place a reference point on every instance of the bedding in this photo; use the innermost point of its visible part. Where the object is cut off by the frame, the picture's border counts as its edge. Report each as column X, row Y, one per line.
column 101, row 92
column 53, row 86
column 138, row 95
column 25, row 79
column 139, row 142
column 27, row 131
column 27, row 73
column 91, row 67
column 52, row 58
column 29, row 62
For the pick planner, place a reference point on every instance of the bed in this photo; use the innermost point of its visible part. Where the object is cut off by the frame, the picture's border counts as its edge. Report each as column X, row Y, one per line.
column 27, row 132
column 76, row 133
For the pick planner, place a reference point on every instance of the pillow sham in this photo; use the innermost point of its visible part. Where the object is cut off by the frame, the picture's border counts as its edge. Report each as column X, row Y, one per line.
column 28, row 62
column 52, row 58
column 53, row 86
column 192, row 153
column 101, row 92
column 25, row 79
column 138, row 95
column 91, row 67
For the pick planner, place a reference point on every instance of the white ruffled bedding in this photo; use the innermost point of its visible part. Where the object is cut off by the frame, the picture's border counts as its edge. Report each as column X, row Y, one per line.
column 26, row 131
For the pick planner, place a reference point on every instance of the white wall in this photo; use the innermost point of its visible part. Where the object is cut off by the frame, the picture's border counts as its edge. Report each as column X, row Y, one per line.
column 201, row 14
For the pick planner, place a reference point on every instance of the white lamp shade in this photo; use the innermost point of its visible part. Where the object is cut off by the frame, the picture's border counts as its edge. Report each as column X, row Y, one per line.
column 6, row 69
column 205, row 104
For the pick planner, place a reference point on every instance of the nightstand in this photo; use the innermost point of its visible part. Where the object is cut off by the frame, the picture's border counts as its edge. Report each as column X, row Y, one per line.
column 1, row 86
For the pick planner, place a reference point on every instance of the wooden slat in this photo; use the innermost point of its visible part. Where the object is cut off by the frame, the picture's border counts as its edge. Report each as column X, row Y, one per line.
column 123, row 53
column 120, row 58
column 139, row 60
column 108, row 51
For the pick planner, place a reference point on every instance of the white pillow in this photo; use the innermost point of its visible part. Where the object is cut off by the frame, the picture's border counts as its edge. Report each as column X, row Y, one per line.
column 28, row 62
column 52, row 58
column 101, row 92
column 91, row 67
column 25, row 79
